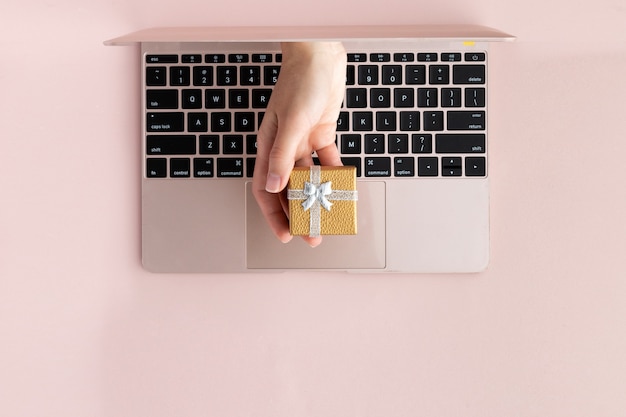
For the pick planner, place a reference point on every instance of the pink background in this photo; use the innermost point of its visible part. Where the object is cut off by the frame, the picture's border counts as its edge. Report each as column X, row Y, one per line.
column 84, row 331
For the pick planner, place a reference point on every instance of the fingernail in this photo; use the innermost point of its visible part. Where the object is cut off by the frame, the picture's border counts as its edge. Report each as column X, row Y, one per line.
column 273, row 183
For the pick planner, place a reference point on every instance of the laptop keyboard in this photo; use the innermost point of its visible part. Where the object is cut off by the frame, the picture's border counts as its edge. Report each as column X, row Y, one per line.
column 405, row 114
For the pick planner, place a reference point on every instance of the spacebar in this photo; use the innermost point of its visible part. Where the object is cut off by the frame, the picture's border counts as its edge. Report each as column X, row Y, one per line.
column 460, row 143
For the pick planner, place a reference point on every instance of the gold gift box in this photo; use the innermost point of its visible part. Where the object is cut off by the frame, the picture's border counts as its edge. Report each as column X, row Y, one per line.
column 322, row 201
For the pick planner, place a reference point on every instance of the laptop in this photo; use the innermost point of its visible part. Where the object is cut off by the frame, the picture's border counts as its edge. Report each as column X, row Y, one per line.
column 414, row 123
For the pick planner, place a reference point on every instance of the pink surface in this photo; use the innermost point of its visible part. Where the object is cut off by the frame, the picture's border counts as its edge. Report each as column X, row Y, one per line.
column 84, row 331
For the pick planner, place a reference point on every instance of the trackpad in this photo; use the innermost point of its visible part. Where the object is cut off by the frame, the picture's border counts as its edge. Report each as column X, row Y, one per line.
column 366, row 250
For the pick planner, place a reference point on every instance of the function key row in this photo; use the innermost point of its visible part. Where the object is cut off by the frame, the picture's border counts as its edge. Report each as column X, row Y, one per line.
column 420, row 57
column 213, row 58
column 352, row 57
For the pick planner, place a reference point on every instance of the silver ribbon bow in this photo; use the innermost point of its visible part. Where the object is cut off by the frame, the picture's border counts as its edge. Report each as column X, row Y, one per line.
column 317, row 193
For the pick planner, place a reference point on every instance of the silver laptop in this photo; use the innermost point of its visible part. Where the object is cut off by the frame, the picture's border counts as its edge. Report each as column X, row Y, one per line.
column 414, row 123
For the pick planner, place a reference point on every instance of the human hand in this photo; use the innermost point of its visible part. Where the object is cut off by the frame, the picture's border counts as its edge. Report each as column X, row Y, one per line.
column 301, row 118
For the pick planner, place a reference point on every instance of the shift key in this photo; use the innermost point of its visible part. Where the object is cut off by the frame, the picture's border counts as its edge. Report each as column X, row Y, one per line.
column 460, row 143
column 171, row 145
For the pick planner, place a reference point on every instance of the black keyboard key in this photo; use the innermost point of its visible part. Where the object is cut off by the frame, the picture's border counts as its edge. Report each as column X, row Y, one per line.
column 380, row 57
column 202, row 76
column 350, row 77
column 166, row 122
column 230, row 167
column 451, row 172
column 192, row 59
column 466, row 120
column 392, row 75
column 350, row 144
column 377, row 166
column 451, row 162
column 439, row 74
column 209, row 144
column 215, row 58
column 250, row 163
column 404, row 57
column 409, row 121
column 162, row 99
column 368, row 74
column 468, row 74
column 156, row 76
column 450, row 97
column 427, row 166
column 422, row 143
column 398, row 143
column 451, row 167
column 386, row 121
column 374, row 143
column 404, row 166
column 354, row 161
column 251, row 145
column 357, row 57
column 250, row 75
column 262, row 58
column 427, row 97
column 474, row 97
column 221, row 122
column 460, row 143
column 362, row 121
column 238, row 58
column 180, row 168
column 261, row 98
column 192, row 99
column 475, row 167
column 427, row 57
column 232, row 144
column 380, row 97
column 161, row 59
column 238, row 99
column 404, row 97
column 416, row 74
column 156, row 167
column 343, row 121
column 475, row 56
column 203, row 168
column 227, row 76
column 170, row 144
column 356, row 97
column 451, row 57
column 215, row 99
column 270, row 74
column 180, row 76
column 197, row 122
column 244, row 122
column 433, row 120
